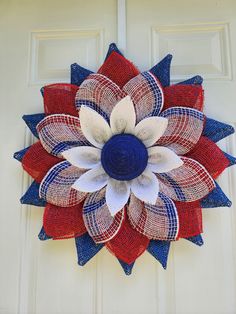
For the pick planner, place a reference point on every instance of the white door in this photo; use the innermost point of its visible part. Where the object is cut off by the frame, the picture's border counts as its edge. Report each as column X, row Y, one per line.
column 39, row 41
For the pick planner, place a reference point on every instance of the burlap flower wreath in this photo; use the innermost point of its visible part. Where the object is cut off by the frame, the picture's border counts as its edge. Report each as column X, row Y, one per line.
column 124, row 160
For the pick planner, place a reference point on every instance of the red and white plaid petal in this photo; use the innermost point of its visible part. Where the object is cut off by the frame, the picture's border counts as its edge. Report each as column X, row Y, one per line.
column 59, row 132
column 56, row 189
column 158, row 222
column 146, row 93
column 187, row 183
column 100, row 94
column 98, row 220
column 185, row 126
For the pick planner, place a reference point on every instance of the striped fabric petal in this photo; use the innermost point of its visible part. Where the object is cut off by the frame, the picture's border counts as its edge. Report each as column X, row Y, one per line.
column 158, row 222
column 147, row 95
column 187, row 183
column 185, row 126
column 59, row 132
column 100, row 94
column 56, row 186
column 98, row 220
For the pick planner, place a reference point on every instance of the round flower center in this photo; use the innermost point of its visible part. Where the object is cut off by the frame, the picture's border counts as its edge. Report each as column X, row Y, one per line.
column 124, row 157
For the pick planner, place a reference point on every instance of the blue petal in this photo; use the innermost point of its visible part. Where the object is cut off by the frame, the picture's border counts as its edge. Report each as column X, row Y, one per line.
column 19, row 155
column 216, row 198
column 126, row 267
column 78, row 74
column 31, row 197
column 198, row 240
column 162, row 70
column 160, row 250
column 86, row 248
column 231, row 159
column 216, row 130
column 195, row 80
column 112, row 47
column 32, row 120
column 43, row 236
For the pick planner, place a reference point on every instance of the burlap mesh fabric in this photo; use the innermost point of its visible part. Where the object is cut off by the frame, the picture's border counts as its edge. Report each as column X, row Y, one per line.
column 190, row 219
column 61, row 222
column 36, row 161
column 60, row 98
column 128, row 244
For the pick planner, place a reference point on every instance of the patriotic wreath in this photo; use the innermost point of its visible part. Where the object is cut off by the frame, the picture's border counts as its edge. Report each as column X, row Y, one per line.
column 124, row 160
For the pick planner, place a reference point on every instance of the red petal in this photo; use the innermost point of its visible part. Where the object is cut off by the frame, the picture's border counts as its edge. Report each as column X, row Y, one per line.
column 208, row 154
column 37, row 161
column 60, row 98
column 128, row 244
column 190, row 219
column 61, row 222
column 118, row 69
column 191, row 96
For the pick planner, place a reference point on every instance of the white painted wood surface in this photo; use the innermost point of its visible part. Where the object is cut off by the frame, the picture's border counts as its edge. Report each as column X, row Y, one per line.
column 39, row 41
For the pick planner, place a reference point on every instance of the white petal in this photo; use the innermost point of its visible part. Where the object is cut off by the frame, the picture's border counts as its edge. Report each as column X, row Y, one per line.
column 123, row 117
column 94, row 127
column 117, row 195
column 162, row 159
column 149, row 130
column 85, row 157
column 146, row 187
column 92, row 180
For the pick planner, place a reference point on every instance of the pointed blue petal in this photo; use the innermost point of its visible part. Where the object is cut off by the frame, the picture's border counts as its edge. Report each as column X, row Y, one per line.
column 126, row 267
column 195, row 80
column 231, row 159
column 78, row 74
column 162, row 70
column 32, row 120
column 215, row 198
column 198, row 240
column 216, row 130
column 31, row 197
column 160, row 250
column 42, row 91
column 112, row 47
column 19, row 155
column 43, row 236
column 86, row 248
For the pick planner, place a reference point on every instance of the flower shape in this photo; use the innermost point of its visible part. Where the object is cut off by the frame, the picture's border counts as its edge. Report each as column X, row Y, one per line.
column 124, row 160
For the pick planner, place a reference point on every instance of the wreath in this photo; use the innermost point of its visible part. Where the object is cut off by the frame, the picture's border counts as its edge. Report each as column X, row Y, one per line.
column 124, row 160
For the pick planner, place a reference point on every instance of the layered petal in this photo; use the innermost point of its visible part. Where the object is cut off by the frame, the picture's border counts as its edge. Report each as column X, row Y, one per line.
column 146, row 187
column 94, row 127
column 146, row 93
column 117, row 195
column 185, row 126
column 191, row 96
column 60, row 98
column 61, row 223
column 123, row 118
column 162, row 159
column 100, row 94
column 118, row 69
column 58, row 133
column 158, row 222
column 92, row 180
column 128, row 244
column 86, row 157
column 149, row 130
column 99, row 222
column 187, row 183
column 190, row 219
column 208, row 154
column 56, row 186
column 37, row 161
